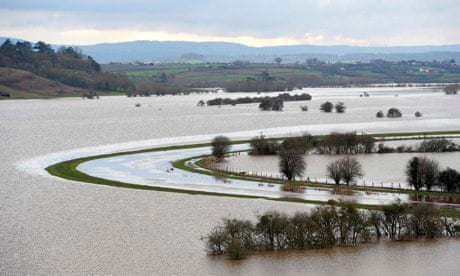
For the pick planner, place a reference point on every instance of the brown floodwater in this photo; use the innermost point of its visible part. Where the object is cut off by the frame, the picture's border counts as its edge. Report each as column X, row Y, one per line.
column 51, row 226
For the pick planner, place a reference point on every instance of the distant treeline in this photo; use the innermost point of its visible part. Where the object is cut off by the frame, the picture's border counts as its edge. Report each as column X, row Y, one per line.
column 246, row 100
column 346, row 143
column 429, row 145
column 327, row 227
column 314, row 73
column 67, row 65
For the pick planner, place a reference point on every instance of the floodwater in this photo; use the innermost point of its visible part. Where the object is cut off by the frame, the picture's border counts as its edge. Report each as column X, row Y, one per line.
column 154, row 169
column 379, row 169
column 54, row 226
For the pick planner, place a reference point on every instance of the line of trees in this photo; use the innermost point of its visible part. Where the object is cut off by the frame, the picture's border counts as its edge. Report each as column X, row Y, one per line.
column 326, row 227
column 429, row 145
column 284, row 97
column 346, row 143
column 423, row 172
column 67, row 65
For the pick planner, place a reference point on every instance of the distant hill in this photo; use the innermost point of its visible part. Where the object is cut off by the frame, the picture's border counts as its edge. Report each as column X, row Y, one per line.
column 177, row 51
column 223, row 52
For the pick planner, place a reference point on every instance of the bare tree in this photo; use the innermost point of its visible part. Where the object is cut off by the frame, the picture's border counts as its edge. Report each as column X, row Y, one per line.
column 291, row 163
column 412, row 173
column 333, row 171
column 429, row 172
column 350, row 169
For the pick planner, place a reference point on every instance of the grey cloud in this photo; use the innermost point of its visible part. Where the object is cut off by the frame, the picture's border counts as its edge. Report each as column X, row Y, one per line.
column 263, row 19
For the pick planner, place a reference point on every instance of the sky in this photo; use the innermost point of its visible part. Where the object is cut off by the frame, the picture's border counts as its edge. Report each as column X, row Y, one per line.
column 254, row 23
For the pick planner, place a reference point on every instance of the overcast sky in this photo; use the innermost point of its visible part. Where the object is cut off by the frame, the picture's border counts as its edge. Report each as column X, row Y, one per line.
column 256, row 23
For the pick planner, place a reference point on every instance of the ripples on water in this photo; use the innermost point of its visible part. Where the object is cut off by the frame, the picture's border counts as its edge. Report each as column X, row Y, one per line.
column 52, row 226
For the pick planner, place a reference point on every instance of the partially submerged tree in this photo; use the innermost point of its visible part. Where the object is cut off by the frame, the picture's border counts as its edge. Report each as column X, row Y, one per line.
column 429, row 170
column 333, row 171
column 301, row 143
column 394, row 220
column 291, row 163
column 350, row 169
column 326, row 107
column 380, row 114
column 422, row 172
column 394, row 113
column 275, row 104
column 326, row 227
column 413, row 174
column 340, row 107
column 261, row 146
column 220, row 146
column 449, row 179
column 451, row 89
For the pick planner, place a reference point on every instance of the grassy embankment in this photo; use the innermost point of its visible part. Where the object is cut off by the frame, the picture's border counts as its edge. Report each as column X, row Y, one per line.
column 20, row 84
column 68, row 170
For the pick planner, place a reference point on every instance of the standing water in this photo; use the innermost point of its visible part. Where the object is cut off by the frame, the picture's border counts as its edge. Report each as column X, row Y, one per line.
column 54, row 226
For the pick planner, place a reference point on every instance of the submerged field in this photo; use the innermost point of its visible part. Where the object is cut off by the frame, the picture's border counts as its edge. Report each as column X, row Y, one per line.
column 86, row 228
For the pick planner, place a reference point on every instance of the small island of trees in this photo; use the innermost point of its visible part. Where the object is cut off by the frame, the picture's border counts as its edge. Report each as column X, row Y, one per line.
column 326, row 227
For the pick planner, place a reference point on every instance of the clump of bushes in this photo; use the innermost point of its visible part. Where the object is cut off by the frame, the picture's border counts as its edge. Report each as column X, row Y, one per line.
column 451, row 89
column 261, row 146
column 429, row 145
column 220, row 146
column 380, row 114
column 346, row 143
column 284, row 97
column 340, row 107
column 437, row 145
column 328, row 107
column 394, row 113
column 274, row 104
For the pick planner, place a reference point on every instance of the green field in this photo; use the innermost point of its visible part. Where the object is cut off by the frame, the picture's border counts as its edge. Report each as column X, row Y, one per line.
column 218, row 74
